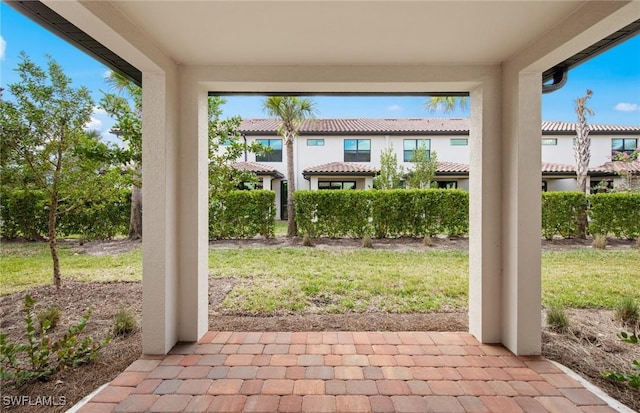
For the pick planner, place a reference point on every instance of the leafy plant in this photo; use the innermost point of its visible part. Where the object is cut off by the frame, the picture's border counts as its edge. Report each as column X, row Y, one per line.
column 557, row 319
column 49, row 315
column 628, row 312
column 632, row 379
column 124, row 323
column 41, row 356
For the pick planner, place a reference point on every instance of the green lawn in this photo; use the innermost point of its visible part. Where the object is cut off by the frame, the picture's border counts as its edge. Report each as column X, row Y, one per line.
column 285, row 280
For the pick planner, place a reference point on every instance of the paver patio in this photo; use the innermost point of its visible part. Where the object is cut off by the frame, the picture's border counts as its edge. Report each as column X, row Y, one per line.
column 343, row 372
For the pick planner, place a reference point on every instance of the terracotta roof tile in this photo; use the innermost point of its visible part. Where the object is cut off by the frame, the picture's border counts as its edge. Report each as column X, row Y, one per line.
column 412, row 125
column 452, row 167
column 339, row 168
column 257, row 168
column 557, row 167
column 618, row 166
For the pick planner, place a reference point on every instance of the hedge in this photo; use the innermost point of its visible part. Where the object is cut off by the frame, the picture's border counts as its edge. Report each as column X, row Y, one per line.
column 25, row 214
column 561, row 213
column 242, row 214
column 383, row 214
column 615, row 213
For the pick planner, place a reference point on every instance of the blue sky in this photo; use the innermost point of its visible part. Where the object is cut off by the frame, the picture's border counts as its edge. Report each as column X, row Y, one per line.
column 614, row 77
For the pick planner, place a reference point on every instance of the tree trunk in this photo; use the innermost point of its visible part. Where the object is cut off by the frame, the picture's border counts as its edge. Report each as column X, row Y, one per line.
column 583, row 157
column 53, row 244
column 291, row 187
column 135, row 218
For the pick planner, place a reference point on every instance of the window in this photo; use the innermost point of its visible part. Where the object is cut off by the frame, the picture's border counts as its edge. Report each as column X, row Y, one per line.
column 336, row 184
column 275, row 155
column 626, row 145
column 458, row 141
column 315, row 142
column 410, row 146
column 357, row 150
column 549, row 141
column 447, row 184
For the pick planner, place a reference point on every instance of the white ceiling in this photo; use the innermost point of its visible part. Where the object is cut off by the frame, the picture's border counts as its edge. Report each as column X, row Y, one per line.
column 344, row 32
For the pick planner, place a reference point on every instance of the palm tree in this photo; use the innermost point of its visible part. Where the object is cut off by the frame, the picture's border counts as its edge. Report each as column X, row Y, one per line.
column 446, row 103
column 124, row 86
column 582, row 147
column 582, row 152
column 290, row 110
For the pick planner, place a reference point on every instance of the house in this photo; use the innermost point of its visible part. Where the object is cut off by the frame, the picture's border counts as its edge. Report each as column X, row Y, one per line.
column 502, row 54
column 345, row 153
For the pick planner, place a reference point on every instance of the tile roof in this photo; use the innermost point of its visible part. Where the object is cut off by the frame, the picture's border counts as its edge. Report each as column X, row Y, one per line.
column 557, row 167
column 341, row 168
column 391, row 126
column 408, row 126
column 618, row 166
column 452, row 167
column 257, row 168
column 571, row 127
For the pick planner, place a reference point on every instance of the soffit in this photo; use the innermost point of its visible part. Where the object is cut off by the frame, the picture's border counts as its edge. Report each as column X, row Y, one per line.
column 302, row 32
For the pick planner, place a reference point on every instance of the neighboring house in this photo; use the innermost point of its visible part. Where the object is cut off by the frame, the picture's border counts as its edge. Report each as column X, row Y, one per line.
column 345, row 153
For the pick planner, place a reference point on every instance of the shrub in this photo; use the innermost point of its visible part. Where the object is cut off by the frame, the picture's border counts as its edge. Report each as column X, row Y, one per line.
column 617, row 213
column 388, row 213
column 242, row 214
column 40, row 357
column 124, row 323
column 557, row 319
column 50, row 315
column 599, row 241
column 628, row 312
column 561, row 213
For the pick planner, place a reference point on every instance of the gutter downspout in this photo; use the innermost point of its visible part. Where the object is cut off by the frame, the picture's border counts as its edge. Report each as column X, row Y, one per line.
column 560, row 78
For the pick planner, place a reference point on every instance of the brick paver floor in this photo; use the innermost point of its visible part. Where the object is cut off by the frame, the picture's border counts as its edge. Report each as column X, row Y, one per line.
column 343, row 372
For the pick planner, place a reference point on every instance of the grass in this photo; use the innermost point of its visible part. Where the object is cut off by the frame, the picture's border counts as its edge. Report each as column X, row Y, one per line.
column 286, row 280
column 28, row 265
column 557, row 319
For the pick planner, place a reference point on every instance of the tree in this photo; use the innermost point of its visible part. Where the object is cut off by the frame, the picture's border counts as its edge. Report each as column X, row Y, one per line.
column 582, row 153
column 128, row 127
column 290, row 110
column 446, row 103
column 424, row 168
column 582, row 146
column 226, row 146
column 390, row 173
column 44, row 144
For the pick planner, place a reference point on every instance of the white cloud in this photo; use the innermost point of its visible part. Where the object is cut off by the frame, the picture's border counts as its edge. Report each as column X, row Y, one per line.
column 627, row 107
column 3, row 47
column 93, row 124
column 99, row 111
column 395, row 108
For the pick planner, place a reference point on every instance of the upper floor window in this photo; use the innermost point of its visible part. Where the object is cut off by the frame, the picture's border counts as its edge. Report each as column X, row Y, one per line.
column 275, row 155
column 357, row 150
column 410, row 146
column 458, row 141
column 315, row 142
column 549, row 141
column 623, row 145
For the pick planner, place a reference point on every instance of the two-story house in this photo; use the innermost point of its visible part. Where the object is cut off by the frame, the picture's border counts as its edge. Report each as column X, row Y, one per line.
column 345, row 153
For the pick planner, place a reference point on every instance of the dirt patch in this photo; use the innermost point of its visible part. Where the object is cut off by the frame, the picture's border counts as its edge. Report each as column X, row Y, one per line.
column 590, row 347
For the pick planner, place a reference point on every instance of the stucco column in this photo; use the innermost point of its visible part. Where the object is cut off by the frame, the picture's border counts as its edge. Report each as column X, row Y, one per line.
column 160, row 246
column 521, row 206
column 193, row 214
column 313, row 183
column 485, row 210
column 266, row 182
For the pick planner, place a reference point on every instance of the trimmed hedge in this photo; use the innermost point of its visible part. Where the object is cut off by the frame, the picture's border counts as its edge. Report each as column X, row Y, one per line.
column 383, row 214
column 25, row 214
column 615, row 213
column 242, row 214
column 561, row 213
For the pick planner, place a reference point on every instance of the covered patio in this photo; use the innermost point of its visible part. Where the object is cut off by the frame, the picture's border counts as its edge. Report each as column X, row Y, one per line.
column 498, row 53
